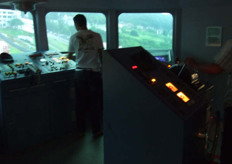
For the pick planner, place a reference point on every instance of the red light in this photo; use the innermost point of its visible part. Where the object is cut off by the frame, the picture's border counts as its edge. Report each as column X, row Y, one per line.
column 211, row 117
column 134, row 67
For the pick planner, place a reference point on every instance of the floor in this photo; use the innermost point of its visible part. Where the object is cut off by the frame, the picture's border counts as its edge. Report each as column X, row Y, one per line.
column 66, row 149
column 71, row 149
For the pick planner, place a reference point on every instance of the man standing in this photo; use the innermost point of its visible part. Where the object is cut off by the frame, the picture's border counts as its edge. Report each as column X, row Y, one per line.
column 88, row 47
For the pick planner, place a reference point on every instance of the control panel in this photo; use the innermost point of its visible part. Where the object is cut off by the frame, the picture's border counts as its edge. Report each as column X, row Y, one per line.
column 22, row 65
column 143, row 98
column 163, row 82
column 35, row 97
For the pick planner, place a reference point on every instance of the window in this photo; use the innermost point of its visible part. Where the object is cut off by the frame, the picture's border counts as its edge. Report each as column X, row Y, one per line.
column 152, row 31
column 16, row 32
column 60, row 27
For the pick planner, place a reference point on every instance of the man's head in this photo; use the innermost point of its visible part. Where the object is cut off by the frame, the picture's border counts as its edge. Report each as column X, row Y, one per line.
column 80, row 22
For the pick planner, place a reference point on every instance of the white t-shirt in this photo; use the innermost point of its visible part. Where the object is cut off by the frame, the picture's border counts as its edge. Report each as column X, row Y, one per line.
column 86, row 43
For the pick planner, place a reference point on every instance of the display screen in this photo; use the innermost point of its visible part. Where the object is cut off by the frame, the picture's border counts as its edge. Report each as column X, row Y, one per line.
column 161, row 58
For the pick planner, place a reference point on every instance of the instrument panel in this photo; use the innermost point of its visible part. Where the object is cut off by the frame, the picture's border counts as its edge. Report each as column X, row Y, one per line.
column 160, row 80
column 26, row 64
column 35, row 96
column 143, row 98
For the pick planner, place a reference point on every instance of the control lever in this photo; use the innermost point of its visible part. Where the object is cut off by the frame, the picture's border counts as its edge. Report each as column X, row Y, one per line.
column 33, row 73
column 181, row 70
column 33, row 68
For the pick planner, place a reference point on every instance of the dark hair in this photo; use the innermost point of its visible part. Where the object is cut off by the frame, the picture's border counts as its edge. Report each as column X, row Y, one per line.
column 80, row 20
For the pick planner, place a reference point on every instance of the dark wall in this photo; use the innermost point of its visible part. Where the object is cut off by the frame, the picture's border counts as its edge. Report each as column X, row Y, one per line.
column 194, row 22
column 184, row 3
column 116, row 5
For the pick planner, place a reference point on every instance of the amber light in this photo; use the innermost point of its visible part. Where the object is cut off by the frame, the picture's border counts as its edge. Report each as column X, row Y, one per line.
column 153, row 80
column 169, row 65
column 182, row 96
column 134, row 67
column 62, row 57
column 171, row 87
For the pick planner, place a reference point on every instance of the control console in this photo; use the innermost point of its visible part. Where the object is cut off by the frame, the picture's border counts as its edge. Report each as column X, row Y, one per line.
column 25, row 64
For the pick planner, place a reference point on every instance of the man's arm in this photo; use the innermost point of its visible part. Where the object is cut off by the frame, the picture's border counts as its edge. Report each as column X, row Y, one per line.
column 70, row 49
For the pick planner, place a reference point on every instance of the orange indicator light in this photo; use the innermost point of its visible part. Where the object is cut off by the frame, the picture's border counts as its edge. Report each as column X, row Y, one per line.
column 62, row 57
column 153, row 80
column 169, row 65
column 171, row 87
column 182, row 96
column 134, row 67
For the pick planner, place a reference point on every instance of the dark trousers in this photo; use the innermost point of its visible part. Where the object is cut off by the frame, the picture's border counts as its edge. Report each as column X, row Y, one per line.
column 88, row 88
column 226, row 149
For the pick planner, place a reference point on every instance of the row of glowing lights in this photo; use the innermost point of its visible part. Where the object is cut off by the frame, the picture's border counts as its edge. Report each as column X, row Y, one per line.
column 57, row 60
column 169, row 85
